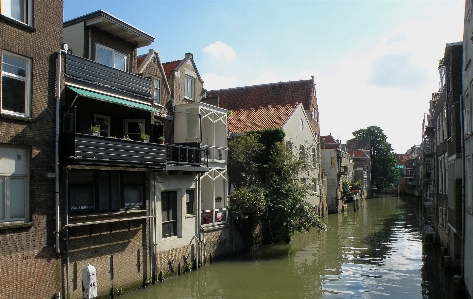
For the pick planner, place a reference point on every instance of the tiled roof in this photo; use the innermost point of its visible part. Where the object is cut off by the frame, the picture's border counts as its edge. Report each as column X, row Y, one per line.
column 170, row 66
column 140, row 59
column 328, row 142
column 273, row 94
column 357, row 153
column 248, row 120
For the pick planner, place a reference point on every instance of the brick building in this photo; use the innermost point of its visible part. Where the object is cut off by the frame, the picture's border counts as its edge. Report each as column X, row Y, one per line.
column 30, row 39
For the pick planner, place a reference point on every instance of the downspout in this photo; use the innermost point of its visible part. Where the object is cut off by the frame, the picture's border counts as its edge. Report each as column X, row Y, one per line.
column 56, row 162
column 151, row 226
column 198, row 219
column 462, row 148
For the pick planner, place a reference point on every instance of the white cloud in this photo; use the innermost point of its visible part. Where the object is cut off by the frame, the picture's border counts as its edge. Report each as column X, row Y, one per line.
column 213, row 81
column 219, row 50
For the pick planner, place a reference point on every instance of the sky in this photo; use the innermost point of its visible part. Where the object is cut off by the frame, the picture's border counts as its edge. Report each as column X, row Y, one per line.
column 374, row 62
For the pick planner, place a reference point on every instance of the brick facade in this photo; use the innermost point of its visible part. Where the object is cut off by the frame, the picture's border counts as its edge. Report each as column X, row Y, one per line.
column 29, row 266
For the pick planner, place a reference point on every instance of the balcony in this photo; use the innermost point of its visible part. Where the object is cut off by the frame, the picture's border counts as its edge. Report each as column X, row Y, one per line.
column 84, row 149
column 188, row 155
column 217, row 154
column 342, row 170
column 97, row 76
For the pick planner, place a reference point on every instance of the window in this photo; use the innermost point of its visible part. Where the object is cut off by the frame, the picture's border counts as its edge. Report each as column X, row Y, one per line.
column 134, row 128
column 19, row 10
column 157, row 91
column 16, row 82
column 332, row 161
column 104, row 122
column 169, row 213
column 103, row 191
column 189, row 88
column 14, row 168
column 301, row 125
column 314, row 157
column 302, row 155
column 110, row 57
column 190, row 202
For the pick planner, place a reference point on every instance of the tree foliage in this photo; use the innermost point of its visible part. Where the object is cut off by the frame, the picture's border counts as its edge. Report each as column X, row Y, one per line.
column 271, row 194
column 383, row 159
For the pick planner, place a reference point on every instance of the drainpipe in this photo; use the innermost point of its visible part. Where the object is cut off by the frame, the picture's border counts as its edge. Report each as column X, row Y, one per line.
column 198, row 219
column 462, row 148
column 56, row 162
column 152, row 206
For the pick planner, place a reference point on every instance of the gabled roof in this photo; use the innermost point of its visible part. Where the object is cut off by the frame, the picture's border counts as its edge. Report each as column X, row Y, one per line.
column 115, row 26
column 171, row 66
column 264, row 95
column 358, row 153
column 145, row 59
column 328, row 142
column 249, row 120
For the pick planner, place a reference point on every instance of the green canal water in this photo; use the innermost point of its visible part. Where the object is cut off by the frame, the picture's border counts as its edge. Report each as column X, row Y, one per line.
column 375, row 252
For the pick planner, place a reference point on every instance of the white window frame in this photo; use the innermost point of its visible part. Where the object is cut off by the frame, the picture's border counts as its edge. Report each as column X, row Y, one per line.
column 27, row 16
column 26, row 79
column 189, row 86
column 157, row 96
column 114, row 53
column 9, row 169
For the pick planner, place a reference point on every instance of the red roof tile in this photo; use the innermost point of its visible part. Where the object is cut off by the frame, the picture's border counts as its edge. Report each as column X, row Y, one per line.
column 140, row 59
column 248, row 120
column 273, row 94
column 357, row 153
column 170, row 66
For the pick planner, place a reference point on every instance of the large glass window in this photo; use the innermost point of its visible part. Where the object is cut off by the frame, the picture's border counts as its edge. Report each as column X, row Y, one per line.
column 14, row 167
column 189, row 88
column 110, row 57
column 16, row 77
column 19, row 10
column 169, row 213
column 134, row 128
column 102, row 191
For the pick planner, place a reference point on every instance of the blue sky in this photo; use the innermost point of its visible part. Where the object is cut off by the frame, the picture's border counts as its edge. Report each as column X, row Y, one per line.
column 374, row 62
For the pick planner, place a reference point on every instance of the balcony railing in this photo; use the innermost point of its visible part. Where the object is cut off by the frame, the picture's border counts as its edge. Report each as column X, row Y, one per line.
column 84, row 149
column 178, row 154
column 217, row 153
column 96, row 75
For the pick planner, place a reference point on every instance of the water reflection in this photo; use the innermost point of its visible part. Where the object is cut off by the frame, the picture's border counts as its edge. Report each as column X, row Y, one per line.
column 371, row 253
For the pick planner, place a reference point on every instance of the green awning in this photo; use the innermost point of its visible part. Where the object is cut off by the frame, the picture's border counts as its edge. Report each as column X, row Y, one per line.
column 111, row 99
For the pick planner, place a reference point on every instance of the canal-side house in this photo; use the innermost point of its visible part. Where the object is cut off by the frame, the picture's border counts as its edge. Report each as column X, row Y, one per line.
column 360, row 151
column 361, row 165
column 448, row 196
column 107, row 160
column 31, row 38
column 201, row 232
column 299, row 137
column 336, row 163
column 428, row 170
column 467, row 80
column 269, row 95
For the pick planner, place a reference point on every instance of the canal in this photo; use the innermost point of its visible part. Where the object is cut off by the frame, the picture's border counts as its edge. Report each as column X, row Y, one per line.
column 375, row 252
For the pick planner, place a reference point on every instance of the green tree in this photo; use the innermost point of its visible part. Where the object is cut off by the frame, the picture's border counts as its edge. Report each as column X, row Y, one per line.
column 270, row 192
column 383, row 159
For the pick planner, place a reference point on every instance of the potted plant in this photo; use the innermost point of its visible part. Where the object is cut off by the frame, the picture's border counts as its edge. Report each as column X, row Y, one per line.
column 145, row 137
column 95, row 130
column 161, row 140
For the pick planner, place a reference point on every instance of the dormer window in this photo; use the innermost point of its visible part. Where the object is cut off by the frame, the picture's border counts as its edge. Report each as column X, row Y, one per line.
column 189, row 88
column 110, row 57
